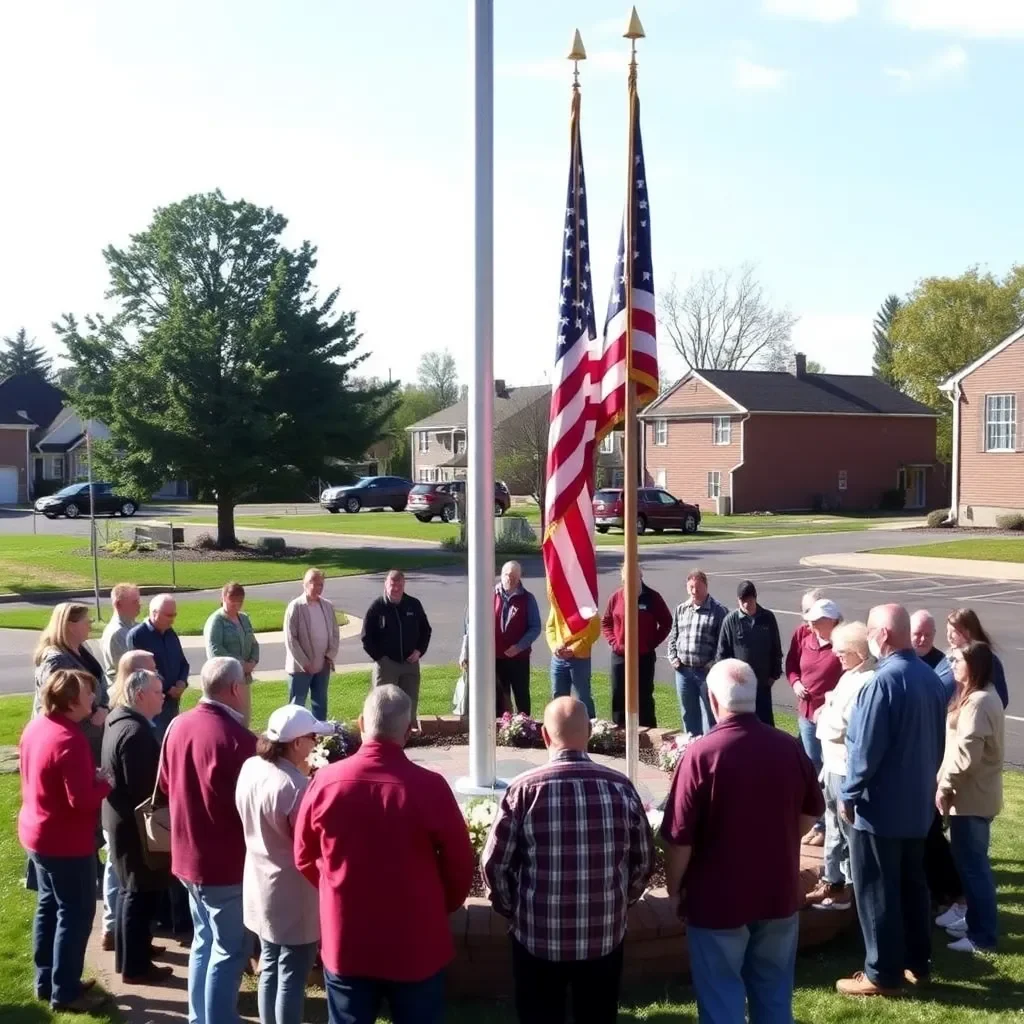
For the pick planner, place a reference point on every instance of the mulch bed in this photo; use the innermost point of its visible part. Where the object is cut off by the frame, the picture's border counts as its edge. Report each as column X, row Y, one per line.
column 243, row 553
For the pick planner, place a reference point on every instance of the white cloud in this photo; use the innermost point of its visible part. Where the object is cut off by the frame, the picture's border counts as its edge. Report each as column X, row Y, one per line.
column 947, row 63
column 990, row 19
column 556, row 68
column 746, row 74
column 812, row 10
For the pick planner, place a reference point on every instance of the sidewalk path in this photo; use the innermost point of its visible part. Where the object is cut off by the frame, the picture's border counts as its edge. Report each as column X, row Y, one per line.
column 922, row 566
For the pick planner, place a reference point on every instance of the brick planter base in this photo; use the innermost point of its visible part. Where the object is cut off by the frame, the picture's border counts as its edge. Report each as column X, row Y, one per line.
column 656, row 946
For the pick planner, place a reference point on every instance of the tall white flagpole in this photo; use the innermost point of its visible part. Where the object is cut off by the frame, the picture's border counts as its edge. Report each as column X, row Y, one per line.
column 480, row 462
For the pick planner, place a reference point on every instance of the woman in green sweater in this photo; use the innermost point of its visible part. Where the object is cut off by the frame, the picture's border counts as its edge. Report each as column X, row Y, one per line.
column 228, row 631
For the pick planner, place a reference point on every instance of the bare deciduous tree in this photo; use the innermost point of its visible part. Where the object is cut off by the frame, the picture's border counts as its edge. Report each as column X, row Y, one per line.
column 724, row 321
column 521, row 449
column 438, row 375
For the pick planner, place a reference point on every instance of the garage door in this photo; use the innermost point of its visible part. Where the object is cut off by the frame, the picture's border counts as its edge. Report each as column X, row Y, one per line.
column 8, row 485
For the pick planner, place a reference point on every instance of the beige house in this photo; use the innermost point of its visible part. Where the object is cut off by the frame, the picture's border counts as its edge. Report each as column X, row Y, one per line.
column 988, row 434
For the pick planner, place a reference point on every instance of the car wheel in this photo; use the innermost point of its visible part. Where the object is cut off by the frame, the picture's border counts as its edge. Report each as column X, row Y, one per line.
column 641, row 524
column 49, row 515
column 448, row 514
column 72, row 511
column 398, row 508
column 499, row 509
column 690, row 524
column 352, row 505
column 602, row 529
column 333, row 511
column 423, row 518
column 128, row 508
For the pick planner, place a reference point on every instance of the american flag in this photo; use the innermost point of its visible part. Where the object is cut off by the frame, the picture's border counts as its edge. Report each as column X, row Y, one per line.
column 609, row 362
column 569, row 557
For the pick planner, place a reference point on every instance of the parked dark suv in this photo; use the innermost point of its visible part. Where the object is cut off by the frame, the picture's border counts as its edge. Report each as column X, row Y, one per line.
column 655, row 509
column 73, row 502
column 429, row 500
column 377, row 492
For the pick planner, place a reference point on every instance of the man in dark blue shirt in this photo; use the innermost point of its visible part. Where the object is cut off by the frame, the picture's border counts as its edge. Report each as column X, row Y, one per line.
column 157, row 636
column 895, row 743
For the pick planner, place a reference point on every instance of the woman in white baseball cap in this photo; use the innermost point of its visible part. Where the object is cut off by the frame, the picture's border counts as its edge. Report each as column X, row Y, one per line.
column 279, row 904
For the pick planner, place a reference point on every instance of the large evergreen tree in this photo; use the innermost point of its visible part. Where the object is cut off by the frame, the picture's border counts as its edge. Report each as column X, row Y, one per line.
column 882, row 366
column 221, row 364
column 22, row 355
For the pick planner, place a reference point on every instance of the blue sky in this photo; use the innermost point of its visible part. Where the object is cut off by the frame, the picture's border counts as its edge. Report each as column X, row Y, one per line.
column 847, row 147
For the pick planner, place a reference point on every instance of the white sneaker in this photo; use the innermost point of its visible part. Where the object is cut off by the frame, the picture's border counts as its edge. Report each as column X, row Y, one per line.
column 957, row 912
column 963, row 945
column 957, row 930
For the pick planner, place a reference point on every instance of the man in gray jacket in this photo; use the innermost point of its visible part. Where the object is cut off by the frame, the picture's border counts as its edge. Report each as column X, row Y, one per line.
column 311, row 644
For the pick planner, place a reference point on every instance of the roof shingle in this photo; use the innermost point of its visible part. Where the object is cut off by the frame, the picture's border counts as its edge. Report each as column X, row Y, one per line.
column 514, row 401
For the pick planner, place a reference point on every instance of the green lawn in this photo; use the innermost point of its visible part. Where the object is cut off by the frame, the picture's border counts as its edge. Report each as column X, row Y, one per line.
column 965, row 990
column 38, row 564
column 991, row 549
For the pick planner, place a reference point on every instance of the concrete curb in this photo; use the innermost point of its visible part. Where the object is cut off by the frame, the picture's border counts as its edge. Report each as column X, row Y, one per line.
column 919, row 565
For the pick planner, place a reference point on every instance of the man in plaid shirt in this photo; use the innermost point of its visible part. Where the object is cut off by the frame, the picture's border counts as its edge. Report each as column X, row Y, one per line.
column 571, row 848
column 692, row 646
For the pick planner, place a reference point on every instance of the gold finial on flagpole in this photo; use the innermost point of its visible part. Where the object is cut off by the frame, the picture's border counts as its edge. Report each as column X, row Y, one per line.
column 576, row 53
column 634, row 31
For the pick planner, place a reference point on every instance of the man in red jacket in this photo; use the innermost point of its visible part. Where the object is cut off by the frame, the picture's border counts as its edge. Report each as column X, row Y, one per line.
column 203, row 753
column 385, row 843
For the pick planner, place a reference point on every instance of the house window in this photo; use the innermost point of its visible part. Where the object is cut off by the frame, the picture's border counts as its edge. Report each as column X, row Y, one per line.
column 659, row 478
column 460, row 446
column 423, row 441
column 1000, row 423
column 721, row 430
column 714, row 484
column 842, row 479
column 661, row 432
column 608, row 444
column 58, row 467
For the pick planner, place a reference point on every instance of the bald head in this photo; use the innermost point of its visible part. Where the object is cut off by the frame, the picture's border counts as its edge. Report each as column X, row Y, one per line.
column 889, row 627
column 566, row 725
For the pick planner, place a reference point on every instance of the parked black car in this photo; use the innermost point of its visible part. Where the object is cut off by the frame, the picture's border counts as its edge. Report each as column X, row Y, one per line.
column 73, row 501
column 429, row 500
column 375, row 492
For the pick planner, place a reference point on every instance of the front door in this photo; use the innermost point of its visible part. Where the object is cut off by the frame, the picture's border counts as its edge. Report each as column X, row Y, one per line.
column 916, row 496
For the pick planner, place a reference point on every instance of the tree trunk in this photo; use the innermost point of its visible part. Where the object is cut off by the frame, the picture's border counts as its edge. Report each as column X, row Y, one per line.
column 226, row 522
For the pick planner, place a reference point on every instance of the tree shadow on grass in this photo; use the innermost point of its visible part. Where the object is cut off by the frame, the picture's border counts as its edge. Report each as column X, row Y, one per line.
column 31, row 1014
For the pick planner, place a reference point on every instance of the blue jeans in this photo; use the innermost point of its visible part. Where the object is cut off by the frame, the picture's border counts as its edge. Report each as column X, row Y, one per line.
column 692, row 690
column 837, row 844
column 284, row 971
column 217, row 958
column 893, row 905
column 110, row 888
column 568, row 674
column 969, row 838
column 751, row 965
column 812, row 748
column 167, row 714
column 60, row 932
column 356, row 1000
column 314, row 684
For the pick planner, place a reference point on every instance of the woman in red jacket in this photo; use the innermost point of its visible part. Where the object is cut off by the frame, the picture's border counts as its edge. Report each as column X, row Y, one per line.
column 61, row 795
column 655, row 621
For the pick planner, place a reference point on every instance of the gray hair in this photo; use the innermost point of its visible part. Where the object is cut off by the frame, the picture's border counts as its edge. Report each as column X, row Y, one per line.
column 220, row 674
column 810, row 598
column 853, row 636
column 157, row 601
column 734, row 685
column 924, row 617
column 387, row 712
column 134, row 685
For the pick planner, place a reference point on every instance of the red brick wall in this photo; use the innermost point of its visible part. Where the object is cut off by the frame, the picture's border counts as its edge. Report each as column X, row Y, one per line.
column 789, row 459
column 12, row 453
column 689, row 455
column 992, row 478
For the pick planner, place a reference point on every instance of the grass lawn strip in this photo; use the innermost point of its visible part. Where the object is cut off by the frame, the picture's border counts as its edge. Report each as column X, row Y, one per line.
column 965, row 990
column 982, row 549
column 267, row 616
column 39, row 564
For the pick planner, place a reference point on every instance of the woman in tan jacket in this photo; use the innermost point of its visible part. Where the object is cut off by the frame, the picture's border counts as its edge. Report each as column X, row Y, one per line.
column 970, row 790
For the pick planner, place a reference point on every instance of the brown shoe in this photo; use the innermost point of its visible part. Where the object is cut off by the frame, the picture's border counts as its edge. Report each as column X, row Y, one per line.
column 819, row 892
column 108, row 942
column 861, row 985
column 814, row 838
column 153, row 976
column 839, row 897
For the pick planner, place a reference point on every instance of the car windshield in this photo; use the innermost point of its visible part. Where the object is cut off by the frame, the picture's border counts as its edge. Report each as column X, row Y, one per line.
column 608, row 495
column 363, row 481
column 422, row 489
column 74, row 489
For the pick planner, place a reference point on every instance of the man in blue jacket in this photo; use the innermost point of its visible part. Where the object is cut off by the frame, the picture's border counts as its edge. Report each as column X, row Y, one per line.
column 895, row 743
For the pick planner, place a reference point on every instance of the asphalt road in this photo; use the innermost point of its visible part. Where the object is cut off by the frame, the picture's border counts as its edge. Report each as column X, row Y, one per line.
column 773, row 564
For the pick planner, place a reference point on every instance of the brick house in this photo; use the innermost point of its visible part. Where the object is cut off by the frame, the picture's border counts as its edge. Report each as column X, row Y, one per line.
column 438, row 441
column 988, row 434
column 752, row 440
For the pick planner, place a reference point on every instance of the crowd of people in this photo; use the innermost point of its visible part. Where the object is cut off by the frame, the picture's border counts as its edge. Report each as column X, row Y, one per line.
column 897, row 745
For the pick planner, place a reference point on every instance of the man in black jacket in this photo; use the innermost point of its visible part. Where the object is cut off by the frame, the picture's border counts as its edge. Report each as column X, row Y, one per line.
column 395, row 636
column 751, row 634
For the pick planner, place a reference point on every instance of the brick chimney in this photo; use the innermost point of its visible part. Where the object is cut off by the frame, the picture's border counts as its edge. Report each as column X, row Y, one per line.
column 800, row 365
column 500, row 391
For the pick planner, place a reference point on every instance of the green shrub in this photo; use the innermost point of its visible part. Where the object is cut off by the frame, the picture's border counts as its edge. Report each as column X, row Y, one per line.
column 1011, row 521
column 271, row 545
column 206, row 542
column 937, row 518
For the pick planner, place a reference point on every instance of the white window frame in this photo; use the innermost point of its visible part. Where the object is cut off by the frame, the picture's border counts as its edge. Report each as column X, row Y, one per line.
column 422, row 441
column 660, row 476
column 57, row 467
column 460, row 445
column 608, row 444
column 714, row 483
column 661, row 433
column 721, row 430
column 843, row 480
column 1001, row 422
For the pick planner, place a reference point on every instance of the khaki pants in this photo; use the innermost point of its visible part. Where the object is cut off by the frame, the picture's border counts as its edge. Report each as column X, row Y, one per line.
column 401, row 674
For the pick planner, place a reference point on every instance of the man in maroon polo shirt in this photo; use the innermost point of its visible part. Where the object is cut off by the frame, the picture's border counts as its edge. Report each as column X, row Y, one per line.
column 516, row 625
column 385, row 843
column 739, row 802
